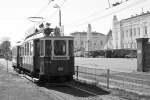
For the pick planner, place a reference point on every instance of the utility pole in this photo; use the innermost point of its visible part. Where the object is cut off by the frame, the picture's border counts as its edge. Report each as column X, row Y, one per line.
column 57, row 6
column 59, row 17
column 109, row 3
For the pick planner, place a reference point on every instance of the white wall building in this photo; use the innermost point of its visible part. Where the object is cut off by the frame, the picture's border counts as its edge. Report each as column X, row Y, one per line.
column 126, row 31
column 88, row 41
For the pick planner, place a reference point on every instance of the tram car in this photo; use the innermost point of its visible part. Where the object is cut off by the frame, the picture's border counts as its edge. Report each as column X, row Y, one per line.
column 48, row 58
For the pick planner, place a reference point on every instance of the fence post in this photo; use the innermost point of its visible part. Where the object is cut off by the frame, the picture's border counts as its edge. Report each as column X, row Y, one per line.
column 108, row 72
column 77, row 72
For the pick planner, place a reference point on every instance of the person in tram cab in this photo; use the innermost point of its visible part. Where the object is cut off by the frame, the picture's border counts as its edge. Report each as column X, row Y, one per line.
column 47, row 30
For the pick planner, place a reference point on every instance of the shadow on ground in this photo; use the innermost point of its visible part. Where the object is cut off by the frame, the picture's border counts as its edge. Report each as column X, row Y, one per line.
column 80, row 89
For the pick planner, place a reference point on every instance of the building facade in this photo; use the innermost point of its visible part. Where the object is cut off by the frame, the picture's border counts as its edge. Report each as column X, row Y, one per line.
column 88, row 41
column 126, row 31
column 109, row 41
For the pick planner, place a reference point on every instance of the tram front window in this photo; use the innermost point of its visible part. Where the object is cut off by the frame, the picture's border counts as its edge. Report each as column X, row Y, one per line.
column 60, row 47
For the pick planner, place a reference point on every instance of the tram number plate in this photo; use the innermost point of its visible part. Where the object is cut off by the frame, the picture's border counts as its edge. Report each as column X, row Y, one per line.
column 60, row 69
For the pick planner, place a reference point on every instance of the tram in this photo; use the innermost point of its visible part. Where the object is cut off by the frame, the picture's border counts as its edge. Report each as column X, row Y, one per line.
column 47, row 58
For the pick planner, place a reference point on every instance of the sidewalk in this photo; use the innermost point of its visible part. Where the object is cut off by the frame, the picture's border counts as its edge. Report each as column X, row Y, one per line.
column 13, row 87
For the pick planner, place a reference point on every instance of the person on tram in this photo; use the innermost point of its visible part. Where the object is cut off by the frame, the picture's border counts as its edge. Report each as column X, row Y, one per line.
column 47, row 30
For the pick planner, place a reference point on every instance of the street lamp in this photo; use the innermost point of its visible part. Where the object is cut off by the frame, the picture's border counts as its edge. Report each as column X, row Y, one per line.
column 57, row 6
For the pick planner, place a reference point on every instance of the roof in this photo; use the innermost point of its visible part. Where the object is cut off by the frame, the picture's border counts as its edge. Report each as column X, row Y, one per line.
column 136, row 16
column 85, row 33
column 57, row 37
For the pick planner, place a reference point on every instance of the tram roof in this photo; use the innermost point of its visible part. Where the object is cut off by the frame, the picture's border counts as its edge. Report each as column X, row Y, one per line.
column 57, row 37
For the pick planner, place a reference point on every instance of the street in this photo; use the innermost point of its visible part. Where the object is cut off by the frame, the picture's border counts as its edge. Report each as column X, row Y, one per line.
column 15, row 87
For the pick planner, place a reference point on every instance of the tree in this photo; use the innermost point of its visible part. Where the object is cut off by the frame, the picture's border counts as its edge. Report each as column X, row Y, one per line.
column 5, row 47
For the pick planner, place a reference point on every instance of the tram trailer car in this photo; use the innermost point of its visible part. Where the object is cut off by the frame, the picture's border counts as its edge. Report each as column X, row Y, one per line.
column 16, row 57
column 47, row 58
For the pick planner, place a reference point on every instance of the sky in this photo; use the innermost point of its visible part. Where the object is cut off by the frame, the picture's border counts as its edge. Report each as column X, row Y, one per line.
column 76, row 15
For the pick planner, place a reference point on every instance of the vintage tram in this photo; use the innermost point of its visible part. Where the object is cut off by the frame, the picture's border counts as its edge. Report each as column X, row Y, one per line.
column 48, row 58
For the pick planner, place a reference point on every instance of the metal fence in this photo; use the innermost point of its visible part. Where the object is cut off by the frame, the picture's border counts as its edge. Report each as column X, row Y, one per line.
column 97, row 75
column 124, row 80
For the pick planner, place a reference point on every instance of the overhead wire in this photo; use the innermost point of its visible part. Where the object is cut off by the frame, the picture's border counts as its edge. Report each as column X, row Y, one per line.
column 37, row 16
column 103, row 16
column 50, row 17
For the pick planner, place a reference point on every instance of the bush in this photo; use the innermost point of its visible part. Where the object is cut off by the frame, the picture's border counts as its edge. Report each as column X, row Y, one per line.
column 114, row 53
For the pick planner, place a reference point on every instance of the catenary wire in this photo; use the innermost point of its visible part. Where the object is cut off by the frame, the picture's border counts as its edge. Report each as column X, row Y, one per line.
column 81, row 22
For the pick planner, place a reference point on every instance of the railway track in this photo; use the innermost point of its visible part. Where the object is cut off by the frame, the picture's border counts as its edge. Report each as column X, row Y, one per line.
column 67, row 90
column 84, row 90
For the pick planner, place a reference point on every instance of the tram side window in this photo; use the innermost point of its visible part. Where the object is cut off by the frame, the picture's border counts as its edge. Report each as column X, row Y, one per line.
column 22, row 51
column 48, row 47
column 27, row 48
column 30, row 53
column 71, row 49
column 31, row 48
column 19, row 51
column 60, row 47
column 42, row 47
column 25, row 52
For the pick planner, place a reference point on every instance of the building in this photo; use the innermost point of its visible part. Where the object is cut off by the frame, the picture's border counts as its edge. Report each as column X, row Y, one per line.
column 88, row 41
column 126, row 31
column 109, row 41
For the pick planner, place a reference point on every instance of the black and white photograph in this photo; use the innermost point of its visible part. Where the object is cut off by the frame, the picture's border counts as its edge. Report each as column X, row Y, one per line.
column 75, row 50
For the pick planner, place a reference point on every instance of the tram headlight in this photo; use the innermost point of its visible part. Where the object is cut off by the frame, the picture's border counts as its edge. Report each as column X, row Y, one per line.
column 59, row 68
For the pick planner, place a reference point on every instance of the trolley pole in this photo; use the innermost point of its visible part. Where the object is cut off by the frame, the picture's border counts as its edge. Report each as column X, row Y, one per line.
column 59, row 17
column 109, row 3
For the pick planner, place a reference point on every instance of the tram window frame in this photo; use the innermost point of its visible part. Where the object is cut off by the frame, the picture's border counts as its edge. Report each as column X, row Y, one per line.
column 56, row 53
column 25, row 49
column 71, row 49
column 22, row 50
column 48, row 48
column 31, row 48
column 42, row 43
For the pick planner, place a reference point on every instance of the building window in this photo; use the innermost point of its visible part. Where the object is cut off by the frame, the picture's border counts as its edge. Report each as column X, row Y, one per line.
column 123, row 34
column 126, row 33
column 101, row 42
column 130, row 33
column 75, row 43
column 81, row 42
column 134, row 31
column 116, row 35
column 128, row 45
column 139, row 31
column 145, row 29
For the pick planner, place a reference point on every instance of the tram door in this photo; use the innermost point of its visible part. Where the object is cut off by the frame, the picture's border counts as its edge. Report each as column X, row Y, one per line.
column 45, row 55
column 36, row 55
